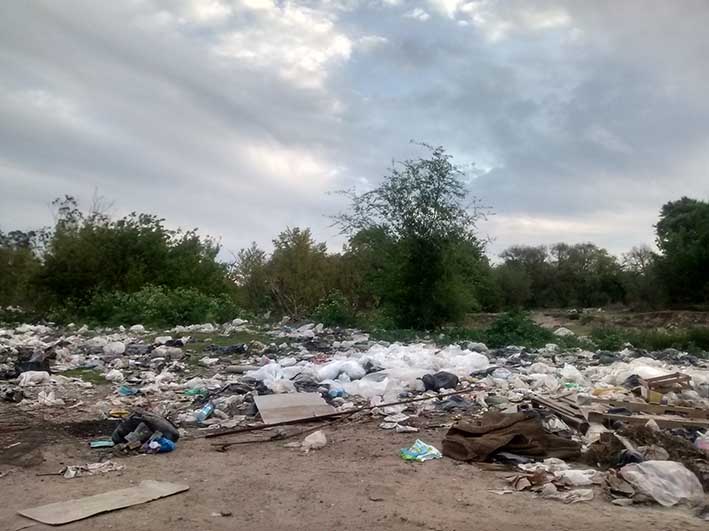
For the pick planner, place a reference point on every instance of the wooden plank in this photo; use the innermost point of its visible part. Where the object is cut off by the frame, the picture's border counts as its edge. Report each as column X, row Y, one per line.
column 570, row 415
column 72, row 510
column 291, row 406
column 663, row 422
column 657, row 409
column 669, row 381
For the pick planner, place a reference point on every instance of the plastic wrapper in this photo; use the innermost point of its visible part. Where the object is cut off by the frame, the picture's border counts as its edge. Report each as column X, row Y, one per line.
column 420, row 451
column 314, row 441
column 667, row 482
column 33, row 378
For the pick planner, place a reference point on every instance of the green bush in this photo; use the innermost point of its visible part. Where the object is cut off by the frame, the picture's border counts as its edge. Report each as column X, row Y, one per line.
column 690, row 339
column 90, row 253
column 516, row 328
column 608, row 338
column 152, row 305
column 335, row 310
column 17, row 315
column 400, row 335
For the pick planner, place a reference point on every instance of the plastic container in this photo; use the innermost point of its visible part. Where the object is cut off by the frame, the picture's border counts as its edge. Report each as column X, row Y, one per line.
column 206, row 412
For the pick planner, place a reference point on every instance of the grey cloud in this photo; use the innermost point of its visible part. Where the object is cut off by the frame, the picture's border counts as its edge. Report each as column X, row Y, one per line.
column 582, row 126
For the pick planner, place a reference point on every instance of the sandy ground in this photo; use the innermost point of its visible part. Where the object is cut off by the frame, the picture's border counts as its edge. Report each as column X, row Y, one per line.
column 356, row 482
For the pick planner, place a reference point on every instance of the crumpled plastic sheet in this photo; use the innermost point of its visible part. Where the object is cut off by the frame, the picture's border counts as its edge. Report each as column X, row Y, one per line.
column 90, row 469
column 667, row 482
column 402, row 367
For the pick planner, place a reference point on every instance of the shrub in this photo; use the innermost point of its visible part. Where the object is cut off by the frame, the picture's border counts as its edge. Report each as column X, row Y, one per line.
column 690, row 339
column 335, row 310
column 516, row 328
column 90, row 254
column 152, row 305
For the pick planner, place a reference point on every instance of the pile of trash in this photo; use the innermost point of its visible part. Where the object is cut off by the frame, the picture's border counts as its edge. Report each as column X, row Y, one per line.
column 632, row 415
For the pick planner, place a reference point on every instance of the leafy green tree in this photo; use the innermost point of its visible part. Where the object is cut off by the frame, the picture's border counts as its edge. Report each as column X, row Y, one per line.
column 643, row 289
column 429, row 257
column 19, row 263
column 299, row 272
column 526, row 277
column 683, row 240
column 514, row 284
column 561, row 276
column 250, row 274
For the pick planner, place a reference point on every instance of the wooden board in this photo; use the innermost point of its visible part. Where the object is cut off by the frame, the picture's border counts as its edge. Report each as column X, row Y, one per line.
column 72, row 510
column 663, row 422
column 291, row 406
column 657, row 409
column 565, row 410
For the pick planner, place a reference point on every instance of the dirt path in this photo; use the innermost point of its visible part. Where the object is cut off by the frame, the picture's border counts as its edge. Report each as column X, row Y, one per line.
column 356, row 482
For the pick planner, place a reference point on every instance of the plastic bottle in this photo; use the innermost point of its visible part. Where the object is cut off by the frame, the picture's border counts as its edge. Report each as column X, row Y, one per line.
column 205, row 412
column 702, row 442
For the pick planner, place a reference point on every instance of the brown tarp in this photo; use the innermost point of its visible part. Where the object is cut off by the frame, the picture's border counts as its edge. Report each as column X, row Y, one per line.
column 518, row 433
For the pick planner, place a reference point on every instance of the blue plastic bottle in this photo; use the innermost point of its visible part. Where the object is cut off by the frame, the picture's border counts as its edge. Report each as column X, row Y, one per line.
column 205, row 412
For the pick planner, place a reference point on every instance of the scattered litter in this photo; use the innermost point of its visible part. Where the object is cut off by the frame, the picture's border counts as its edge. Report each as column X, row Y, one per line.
column 90, row 469
column 563, row 332
column 396, row 418
column 478, row 439
column 115, row 348
column 514, row 405
column 33, row 378
column 48, row 398
column 208, row 362
column 314, row 441
column 666, row 482
column 102, row 443
column 204, row 413
column 124, row 390
column 420, row 451
column 114, row 375
column 571, row 496
column 501, row 492
column 440, row 380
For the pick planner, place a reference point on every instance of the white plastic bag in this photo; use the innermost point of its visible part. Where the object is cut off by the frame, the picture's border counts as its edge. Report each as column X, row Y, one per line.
column 578, row 478
column 667, row 482
column 314, row 441
column 114, row 348
column 33, row 378
column 114, row 375
column 571, row 374
column 45, row 398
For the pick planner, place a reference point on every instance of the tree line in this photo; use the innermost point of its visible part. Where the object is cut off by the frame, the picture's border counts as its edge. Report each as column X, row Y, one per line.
column 413, row 258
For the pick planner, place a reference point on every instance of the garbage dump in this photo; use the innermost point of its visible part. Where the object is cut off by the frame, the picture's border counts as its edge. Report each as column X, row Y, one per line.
column 630, row 425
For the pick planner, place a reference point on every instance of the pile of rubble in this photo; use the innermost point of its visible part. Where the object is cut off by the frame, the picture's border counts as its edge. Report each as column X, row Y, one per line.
column 637, row 417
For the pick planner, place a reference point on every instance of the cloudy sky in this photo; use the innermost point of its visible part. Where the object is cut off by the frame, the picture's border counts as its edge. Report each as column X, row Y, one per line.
column 578, row 120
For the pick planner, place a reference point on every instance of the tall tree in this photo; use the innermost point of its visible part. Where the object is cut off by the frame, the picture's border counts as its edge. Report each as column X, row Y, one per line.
column 432, row 259
column 299, row 272
column 683, row 239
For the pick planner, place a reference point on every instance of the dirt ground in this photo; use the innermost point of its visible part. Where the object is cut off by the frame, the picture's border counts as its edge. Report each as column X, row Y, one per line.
column 621, row 318
column 357, row 482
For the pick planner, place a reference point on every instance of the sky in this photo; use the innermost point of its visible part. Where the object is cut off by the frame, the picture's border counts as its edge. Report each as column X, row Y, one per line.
column 575, row 121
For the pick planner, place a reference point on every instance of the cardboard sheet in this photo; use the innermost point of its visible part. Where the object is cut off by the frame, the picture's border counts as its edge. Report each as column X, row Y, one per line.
column 291, row 406
column 80, row 508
